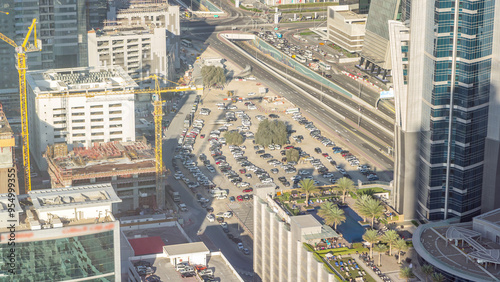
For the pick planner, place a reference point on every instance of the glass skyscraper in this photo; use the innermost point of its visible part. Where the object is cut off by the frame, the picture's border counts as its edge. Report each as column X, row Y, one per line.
column 449, row 77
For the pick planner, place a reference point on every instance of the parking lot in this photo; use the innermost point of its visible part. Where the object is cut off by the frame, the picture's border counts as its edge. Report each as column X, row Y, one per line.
column 204, row 162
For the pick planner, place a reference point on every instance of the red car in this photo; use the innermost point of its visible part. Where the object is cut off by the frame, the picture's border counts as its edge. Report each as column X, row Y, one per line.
column 325, row 155
column 202, row 136
column 240, row 199
column 289, row 147
column 247, row 190
column 242, row 171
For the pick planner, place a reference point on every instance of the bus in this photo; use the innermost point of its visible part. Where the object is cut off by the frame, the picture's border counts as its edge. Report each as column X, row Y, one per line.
column 300, row 59
column 292, row 111
column 324, row 66
column 186, row 43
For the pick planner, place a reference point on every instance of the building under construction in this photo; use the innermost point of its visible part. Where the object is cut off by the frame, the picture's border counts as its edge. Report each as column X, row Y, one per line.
column 128, row 166
column 7, row 165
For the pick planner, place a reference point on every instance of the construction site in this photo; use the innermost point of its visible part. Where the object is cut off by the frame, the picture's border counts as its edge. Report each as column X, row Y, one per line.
column 7, row 164
column 128, row 166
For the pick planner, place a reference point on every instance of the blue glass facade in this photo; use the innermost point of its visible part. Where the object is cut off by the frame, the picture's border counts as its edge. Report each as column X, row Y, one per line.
column 452, row 153
column 62, row 259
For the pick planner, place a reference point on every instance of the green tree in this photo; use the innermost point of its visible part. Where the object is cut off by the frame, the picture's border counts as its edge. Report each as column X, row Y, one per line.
column 401, row 246
column 308, row 187
column 360, row 203
column 390, row 237
column 271, row 132
column 292, row 155
column 331, row 213
column 438, row 277
column 345, row 185
column 406, row 273
column 372, row 208
column 427, row 270
column 371, row 236
column 234, row 138
column 213, row 75
column 380, row 249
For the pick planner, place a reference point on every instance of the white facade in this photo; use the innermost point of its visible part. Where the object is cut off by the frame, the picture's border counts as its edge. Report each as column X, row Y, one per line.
column 346, row 28
column 79, row 118
column 154, row 15
column 278, row 246
column 140, row 52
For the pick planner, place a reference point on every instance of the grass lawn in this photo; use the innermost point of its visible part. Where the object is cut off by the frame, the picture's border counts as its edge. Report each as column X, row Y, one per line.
column 307, row 33
column 339, row 49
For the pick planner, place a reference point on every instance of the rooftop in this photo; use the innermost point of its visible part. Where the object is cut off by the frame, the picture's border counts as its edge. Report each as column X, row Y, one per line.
column 492, row 216
column 431, row 244
column 188, row 248
column 79, row 79
column 147, row 246
column 112, row 157
column 118, row 30
column 305, row 221
column 62, row 198
column 51, row 208
column 350, row 15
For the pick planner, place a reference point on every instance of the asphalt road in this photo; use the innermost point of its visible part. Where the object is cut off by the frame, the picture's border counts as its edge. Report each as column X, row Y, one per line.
column 345, row 102
column 357, row 138
column 195, row 217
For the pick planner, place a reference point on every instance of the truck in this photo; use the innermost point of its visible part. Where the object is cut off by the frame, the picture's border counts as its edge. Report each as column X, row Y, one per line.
column 175, row 196
column 187, row 121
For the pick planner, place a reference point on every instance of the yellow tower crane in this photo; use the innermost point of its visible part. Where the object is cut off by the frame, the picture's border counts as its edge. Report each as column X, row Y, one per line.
column 21, row 68
column 158, row 116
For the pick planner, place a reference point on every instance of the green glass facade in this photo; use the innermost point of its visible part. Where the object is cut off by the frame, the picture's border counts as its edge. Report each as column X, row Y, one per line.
column 62, row 259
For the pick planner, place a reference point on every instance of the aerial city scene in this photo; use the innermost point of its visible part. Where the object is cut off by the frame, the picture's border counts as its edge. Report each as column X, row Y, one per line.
column 249, row 140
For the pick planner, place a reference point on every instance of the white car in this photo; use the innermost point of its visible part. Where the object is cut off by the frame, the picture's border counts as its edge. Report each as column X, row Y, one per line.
column 252, row 107
column 244, row 184
column 232, row 107
column 178, row 176
column 251, row 94
column 303, row 172
column 240, row 246
column 211, row 168
column 210, row 217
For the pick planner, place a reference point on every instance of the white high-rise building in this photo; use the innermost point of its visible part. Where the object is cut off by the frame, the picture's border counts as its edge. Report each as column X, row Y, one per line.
column 281, row 246
column 140, row 51
column 63, row 109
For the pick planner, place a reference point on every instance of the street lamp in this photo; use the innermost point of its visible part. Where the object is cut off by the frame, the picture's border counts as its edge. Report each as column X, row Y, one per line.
column 359, row 85
column 359, row 115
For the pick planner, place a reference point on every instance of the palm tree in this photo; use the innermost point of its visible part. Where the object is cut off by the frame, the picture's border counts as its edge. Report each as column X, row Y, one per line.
column 308, row 187
column 427, row 270
column 390, row 237
column 406, row 273
column 438, row 277
column 345, row 185
column 372, row 208
column 380, row 248
column 371, row 236
column 400, row 245
column 331, row 213
column 361, row 200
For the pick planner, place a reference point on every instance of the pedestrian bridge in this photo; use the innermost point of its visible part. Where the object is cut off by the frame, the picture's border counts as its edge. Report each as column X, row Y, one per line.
column 238, row 36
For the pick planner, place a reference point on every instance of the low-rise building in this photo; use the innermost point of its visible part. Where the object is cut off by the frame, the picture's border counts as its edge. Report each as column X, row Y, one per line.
column 128, row 166
column 346, row 28
column 69, row 106
column 462, row 251
column 67, row 234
